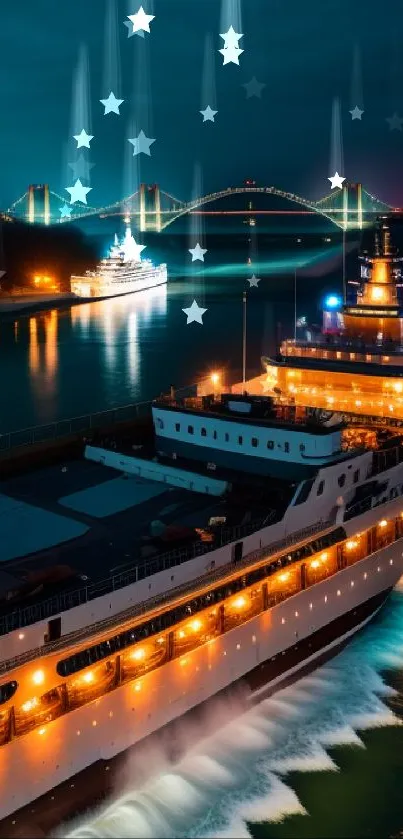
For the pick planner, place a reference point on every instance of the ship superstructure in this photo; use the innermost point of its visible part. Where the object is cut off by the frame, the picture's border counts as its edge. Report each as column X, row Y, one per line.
column 287, row 528
column 355, row 366
column 123, row 271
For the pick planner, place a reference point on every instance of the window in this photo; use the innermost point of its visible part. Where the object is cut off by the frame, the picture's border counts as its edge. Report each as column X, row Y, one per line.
column 341, row 480
column 7, row 690
column 177, row 426
column 356, row 476
column 214, row 435
column 286, row 447
column 190, row 429
column 240, row 440
column 270, row 444
column 160, row 423
column 203, row 432
column 226, row 437
column 320, row 488
column 302, row 447
column 254, row 442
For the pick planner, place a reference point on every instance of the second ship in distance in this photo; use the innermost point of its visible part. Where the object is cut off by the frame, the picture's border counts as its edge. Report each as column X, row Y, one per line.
column 122, row 271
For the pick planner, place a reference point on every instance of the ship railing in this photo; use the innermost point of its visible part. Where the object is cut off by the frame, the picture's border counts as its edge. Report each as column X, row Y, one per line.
column 210, row 576
column 125, row 575
column 82, row 425
column 333, row 342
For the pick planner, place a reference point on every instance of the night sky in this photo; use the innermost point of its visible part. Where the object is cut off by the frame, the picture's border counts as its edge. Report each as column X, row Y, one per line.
column 302, row 51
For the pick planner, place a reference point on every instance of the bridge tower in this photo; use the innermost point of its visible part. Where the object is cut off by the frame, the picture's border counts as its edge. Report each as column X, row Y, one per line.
column 44, row 213
column 352, row 206
column 150, row 208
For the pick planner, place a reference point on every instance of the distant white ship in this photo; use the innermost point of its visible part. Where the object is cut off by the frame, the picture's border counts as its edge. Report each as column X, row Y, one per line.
column 121, row 272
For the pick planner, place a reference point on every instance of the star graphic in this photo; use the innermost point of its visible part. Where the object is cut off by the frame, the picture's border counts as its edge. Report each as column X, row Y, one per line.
column 140, row 20
column 141, row 144
column 82, row 167
column 356, row 113
column 336, row 181
column 132, row 31
column 231, row 54
column 194, row 313
column 253, row 281
column 65, row 211
column 254, row 88
column 83, row 139
column 231, row 38
column 78, row 192
column 197, row 253
column 395, row 122
column 208, row 114
column 132, row 250
column 111, row 104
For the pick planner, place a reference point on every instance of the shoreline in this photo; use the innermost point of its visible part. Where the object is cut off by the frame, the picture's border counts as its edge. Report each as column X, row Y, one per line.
column 15, row 307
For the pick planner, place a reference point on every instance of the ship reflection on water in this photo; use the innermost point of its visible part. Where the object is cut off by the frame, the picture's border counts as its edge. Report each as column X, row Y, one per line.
column 111, row 329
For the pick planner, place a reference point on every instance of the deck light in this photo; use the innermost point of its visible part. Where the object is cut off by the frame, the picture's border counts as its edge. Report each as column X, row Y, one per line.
column 239, row 603
column 38, row 677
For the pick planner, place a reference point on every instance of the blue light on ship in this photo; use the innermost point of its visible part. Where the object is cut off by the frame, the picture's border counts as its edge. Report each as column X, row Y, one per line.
column 333, row 302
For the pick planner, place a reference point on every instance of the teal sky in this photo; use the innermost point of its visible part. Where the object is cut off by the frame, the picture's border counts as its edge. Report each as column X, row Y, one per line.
column 302, row 51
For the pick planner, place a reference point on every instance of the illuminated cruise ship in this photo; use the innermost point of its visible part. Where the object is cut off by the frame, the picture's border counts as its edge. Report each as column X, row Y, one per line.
column 355, row 366
column 121, row 272
column 270, row 532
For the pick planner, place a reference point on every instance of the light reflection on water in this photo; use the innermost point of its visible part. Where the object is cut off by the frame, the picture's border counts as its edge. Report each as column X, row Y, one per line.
column 92, row 357
column 68, row 362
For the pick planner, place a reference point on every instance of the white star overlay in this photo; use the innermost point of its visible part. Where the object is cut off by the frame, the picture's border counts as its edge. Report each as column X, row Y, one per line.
column 208, row 114
column 141, row 144
column 111, row 104
column 81, row 167
column 395, row 122
column 194, row 313
column 254, row 88
column 141, row 21
column 78, row 192
column 253, row 281
column 83, row 139
column 336, row 181
column 231, row 38
column 131, row 31
column 356, row 113
column 197, row 253
column 65, row 211
column 231, row 54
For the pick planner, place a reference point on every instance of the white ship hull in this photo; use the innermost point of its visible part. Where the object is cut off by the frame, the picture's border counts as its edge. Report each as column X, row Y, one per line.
column 269, row 649
column 95, row 289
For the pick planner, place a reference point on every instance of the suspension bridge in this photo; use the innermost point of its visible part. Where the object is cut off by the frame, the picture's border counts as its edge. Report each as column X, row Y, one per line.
column 150, row 208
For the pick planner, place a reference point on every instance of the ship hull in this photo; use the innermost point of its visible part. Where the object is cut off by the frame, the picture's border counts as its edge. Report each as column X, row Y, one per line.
column 67, row 773
column 122, row 289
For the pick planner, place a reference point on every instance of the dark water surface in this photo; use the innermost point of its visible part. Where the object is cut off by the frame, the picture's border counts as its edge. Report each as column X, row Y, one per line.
column 92, row 357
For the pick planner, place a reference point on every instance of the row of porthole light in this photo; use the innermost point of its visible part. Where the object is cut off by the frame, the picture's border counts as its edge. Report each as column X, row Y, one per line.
column 38, row 676
column 184, row 661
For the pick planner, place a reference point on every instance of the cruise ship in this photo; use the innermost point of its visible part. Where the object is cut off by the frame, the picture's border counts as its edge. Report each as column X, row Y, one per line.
column 267, row 534
column 121, row 272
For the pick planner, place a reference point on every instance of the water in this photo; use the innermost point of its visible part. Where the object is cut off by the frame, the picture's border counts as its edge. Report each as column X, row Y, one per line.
column 323, row 758
column 91, row 357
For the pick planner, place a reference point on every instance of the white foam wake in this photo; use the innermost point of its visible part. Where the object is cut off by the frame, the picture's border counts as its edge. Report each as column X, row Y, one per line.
column 231, row 778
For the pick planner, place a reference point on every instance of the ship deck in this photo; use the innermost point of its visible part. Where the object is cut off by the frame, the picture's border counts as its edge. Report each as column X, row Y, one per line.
column 94, row 522
column 89, row 517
